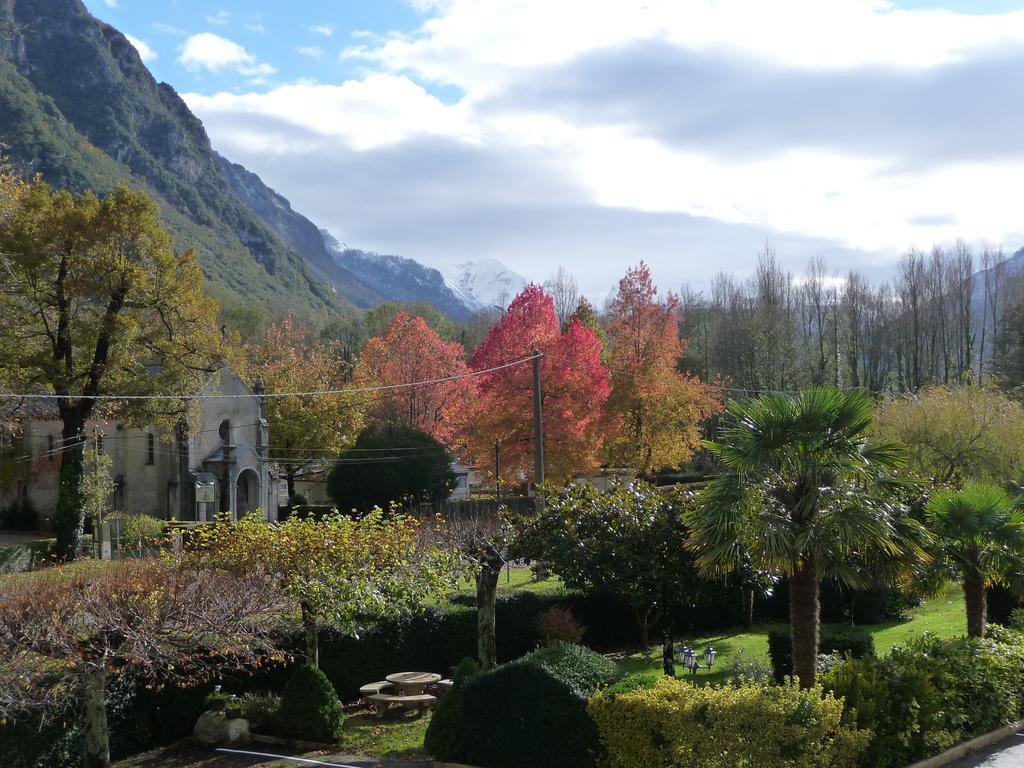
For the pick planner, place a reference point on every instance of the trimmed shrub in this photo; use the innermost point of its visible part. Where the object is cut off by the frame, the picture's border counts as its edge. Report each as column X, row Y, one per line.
column 932, row 694
column 443, row 739
column 678, row 724
column 558, row 624
column 832, row 638
column 260, row 708
column 310, row 708
column 532, row 711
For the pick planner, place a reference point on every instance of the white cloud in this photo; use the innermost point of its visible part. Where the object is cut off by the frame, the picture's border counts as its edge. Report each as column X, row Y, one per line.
column 215, row 54
column 218, row 19
column 312, row 51
column 256, row 27
column 321, row 29
column 658, row 113
column 168, row 29
column 110, row 3
column 146, row 53
column 377, row 111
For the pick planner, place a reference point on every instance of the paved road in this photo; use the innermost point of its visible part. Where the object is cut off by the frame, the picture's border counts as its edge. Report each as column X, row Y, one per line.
column 255, row 756
column 1008, row 753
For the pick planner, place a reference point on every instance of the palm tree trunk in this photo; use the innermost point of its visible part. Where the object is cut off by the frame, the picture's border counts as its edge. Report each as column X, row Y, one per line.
column 804, row 611
column 977, row 603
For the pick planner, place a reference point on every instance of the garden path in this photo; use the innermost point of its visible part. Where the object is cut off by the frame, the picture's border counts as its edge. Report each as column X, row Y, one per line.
column 1008, row 753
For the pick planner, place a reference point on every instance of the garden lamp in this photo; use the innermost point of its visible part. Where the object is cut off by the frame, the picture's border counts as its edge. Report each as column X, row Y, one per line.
column 709, row 656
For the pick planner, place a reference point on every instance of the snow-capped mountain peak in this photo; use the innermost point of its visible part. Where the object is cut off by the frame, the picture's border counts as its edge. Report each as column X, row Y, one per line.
column 485, row 283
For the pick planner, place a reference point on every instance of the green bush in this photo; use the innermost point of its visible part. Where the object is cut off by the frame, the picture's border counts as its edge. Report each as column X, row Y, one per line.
column 532, row 711
column 932, row 694
column 840, row 639
column 259, row 708
column 675, row 724
column 310, row 709
column 443, row 739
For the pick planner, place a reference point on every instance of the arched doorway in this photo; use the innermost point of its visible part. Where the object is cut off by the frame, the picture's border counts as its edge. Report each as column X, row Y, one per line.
column 247, row 492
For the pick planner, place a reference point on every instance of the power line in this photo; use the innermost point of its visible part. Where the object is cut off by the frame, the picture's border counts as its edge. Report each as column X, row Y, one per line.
column 350, row 391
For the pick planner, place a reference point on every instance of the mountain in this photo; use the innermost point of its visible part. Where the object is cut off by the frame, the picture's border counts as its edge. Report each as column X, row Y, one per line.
column 78, row 106
column 400, row 279
column 298, row 232
column 486, row 284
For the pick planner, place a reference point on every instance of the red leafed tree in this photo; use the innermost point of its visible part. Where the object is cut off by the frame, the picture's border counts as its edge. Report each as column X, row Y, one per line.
column 412, row 351
column 655, row 411
column 575, row 388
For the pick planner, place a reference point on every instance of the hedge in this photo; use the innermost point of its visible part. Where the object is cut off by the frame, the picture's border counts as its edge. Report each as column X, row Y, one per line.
column 832, row 638
column 309, row 709
column 931, row 694
column 675, row 724
column 533, row 711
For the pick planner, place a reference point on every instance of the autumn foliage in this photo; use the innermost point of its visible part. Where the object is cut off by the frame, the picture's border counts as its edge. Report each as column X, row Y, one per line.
column 575, row 389
column 655, row 412
column 412, row 351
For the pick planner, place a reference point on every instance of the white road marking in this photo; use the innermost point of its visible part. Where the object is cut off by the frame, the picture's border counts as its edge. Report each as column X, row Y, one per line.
column 305, row 760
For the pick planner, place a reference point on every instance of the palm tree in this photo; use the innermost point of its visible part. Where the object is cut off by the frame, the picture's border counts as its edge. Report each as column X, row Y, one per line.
column 804, row 494
column 979, row 531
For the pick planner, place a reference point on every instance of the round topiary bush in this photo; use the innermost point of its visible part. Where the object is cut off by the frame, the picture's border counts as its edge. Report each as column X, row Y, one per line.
column 533, row 711
column 443, row 739
column 310, row 709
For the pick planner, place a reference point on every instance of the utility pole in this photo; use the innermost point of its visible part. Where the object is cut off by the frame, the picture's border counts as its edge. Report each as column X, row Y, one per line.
column 538, row 424
column 497, row 473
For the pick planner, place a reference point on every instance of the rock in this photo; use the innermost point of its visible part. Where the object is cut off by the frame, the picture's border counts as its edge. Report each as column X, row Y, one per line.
column 213, row 729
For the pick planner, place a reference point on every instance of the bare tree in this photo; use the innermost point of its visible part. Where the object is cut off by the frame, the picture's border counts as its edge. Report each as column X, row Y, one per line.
column 66, row 632
column 565, row 293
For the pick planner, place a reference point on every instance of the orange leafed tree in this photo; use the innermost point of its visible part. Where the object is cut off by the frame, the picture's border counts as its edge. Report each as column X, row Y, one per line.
column 655, row 411
column 412, row 351
column 575, row 388
column 304, row 430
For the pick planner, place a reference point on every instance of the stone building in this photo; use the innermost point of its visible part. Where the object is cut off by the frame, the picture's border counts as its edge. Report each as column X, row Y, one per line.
column 221, row 465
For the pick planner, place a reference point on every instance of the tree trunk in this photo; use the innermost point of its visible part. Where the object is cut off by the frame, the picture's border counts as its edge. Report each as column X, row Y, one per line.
column 486, row 623
column 977, row 603
column 69, row 517
column 748, row 608
column 94, row 711
column 309, row 626
column 290, row 479
column 668, row 651
column 804, row 612
column 643, row 622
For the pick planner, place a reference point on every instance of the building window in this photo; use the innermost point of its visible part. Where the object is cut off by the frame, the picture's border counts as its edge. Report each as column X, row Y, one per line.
column 225, row 431
column 150, row 448
column 49, row 447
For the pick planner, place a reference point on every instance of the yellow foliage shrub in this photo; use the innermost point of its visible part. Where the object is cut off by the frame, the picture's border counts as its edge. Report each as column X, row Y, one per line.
column 675, row 724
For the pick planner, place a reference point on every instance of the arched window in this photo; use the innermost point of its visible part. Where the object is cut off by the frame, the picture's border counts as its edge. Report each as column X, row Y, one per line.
column 225, row 431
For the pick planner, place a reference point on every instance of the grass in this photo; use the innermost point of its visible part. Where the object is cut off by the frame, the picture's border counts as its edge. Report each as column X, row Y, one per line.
column 399, row 734
column 943, row 615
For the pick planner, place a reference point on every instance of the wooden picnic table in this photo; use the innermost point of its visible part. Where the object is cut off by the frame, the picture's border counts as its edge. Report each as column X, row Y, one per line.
column 412, row 683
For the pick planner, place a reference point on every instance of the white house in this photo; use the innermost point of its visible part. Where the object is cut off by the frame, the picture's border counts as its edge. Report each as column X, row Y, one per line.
column 222, row 465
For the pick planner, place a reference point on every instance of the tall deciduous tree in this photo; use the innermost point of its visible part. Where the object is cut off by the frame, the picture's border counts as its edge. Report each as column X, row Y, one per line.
column 575, row 388
column 304, row 430
column 412, row 351
column 956, row 434
column 96, row 302
column 654, row 412
column 980, row 533
column 65, row 635
column 802, row 497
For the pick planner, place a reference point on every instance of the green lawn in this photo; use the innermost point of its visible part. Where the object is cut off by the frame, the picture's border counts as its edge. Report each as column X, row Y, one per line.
column 399, row 734
column 943, row 615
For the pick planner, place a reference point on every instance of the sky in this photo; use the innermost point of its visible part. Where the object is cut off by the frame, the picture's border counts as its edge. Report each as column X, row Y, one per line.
column 546, row 133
